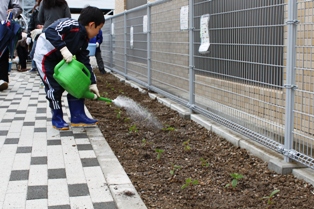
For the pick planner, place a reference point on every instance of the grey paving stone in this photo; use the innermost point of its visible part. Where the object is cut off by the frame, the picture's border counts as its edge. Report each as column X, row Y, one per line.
column 6, row 120
column 40, row 130
column 89, row 162
column 84, row 147
column 21, row 112
column 10, row 110
column 59, row 207
column 19, row 118
column 39, row 161
column 11, row 141
column 56, row 173
column 4, row 106
column 3, row 133
column 54, row 142
column 37, row 192
column 24, row 150
column 29, row 124
column 41, row 110
column 80, row 135
column 78, row 190
column 32, row 105
column 66, row 133
column 41, row 118
column 19, row 175
column 105, row 205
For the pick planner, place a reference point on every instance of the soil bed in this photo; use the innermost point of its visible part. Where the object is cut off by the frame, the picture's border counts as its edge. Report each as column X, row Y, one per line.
column 190, row 152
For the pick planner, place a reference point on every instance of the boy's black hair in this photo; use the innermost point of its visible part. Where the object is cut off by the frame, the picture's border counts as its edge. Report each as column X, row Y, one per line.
column 91, row 14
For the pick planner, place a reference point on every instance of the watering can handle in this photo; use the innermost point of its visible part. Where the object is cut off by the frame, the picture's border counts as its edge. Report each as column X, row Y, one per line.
column 57, row 67
column 86, row 70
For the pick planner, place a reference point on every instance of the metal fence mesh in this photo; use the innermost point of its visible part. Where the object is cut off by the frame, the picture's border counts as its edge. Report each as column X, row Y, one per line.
column 243, row 82
column 304, row 75
column 241, row 76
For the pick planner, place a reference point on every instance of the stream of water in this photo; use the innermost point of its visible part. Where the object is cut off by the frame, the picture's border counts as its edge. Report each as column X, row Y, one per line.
column 137, row 112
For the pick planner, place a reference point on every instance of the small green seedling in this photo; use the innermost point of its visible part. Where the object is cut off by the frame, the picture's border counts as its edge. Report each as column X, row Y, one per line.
column 186, row 145
column 121, row 91
column 189, row 182
column 127, row 119
column 133, row 129
column 105, row 93
column 174, row 169
column 271, row 197
column 108, row 85
column 144, row 142
column 159, row 153
column 235, row 180
column 204, row 162
column 168, row 128
column 118, row 111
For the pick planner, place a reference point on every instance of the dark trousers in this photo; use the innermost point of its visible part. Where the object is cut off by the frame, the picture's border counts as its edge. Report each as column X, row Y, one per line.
column 22, row 53
column 100, row 62
column 4, row 66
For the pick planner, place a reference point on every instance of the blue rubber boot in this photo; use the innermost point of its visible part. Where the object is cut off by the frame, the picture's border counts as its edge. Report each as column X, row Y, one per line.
column 57, row 120
column 78, row 116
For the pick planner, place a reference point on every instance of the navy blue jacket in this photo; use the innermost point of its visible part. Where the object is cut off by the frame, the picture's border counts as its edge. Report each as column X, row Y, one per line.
column 70, row 33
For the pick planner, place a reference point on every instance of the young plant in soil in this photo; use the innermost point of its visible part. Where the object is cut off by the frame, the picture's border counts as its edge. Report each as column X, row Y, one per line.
column 186, row 145
column 159, row 153
column 133, row 128
column 174, row 169
column 189, row 182
column 145, row 142
column 127, row 119
column 204, row 162
column 235, row 180
column 271, row 197
column 118, row 111
column 168, row 128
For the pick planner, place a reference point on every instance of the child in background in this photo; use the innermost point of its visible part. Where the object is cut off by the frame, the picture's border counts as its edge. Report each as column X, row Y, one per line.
column 61, row 40
column 98, row 40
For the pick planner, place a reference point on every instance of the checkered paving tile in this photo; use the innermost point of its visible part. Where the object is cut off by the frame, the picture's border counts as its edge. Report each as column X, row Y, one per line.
column 41, row 167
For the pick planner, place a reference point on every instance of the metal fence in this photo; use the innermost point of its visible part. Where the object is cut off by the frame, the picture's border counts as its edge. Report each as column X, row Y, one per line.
column 254, row 78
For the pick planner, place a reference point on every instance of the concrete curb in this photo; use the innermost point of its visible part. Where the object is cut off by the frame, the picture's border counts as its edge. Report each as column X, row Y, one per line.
column 121, row 188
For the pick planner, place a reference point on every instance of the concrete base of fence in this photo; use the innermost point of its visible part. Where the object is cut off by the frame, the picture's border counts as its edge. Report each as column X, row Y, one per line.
column 306, row 174
column 282, row 167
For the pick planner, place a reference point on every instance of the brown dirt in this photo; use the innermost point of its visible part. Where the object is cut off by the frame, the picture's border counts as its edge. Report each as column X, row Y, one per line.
column 136, row 151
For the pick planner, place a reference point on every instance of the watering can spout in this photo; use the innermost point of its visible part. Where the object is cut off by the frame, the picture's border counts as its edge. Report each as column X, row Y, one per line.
column 90, row 95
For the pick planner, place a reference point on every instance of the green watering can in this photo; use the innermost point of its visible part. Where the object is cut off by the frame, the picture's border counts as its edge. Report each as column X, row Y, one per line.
column 74, row 77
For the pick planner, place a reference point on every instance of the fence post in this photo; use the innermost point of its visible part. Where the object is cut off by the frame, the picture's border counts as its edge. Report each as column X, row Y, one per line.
column 191, row 55
column 111, row 44
column 125, row 44
column 149, row 79
column 290, row 80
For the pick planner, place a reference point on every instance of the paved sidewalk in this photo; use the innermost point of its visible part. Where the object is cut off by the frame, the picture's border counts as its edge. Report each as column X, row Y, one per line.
column 41, row 167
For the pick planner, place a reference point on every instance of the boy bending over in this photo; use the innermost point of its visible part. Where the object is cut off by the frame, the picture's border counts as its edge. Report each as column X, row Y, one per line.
column 61, row 40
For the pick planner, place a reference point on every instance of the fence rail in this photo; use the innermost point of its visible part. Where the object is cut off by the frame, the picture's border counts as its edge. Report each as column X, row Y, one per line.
column 254, row 76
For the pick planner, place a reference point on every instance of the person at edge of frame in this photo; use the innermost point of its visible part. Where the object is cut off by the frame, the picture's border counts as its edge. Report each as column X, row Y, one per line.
column 6, row 7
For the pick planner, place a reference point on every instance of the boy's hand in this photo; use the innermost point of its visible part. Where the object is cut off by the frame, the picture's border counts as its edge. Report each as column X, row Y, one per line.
column 67, row 55
column 97, row 44
column 93, row 88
